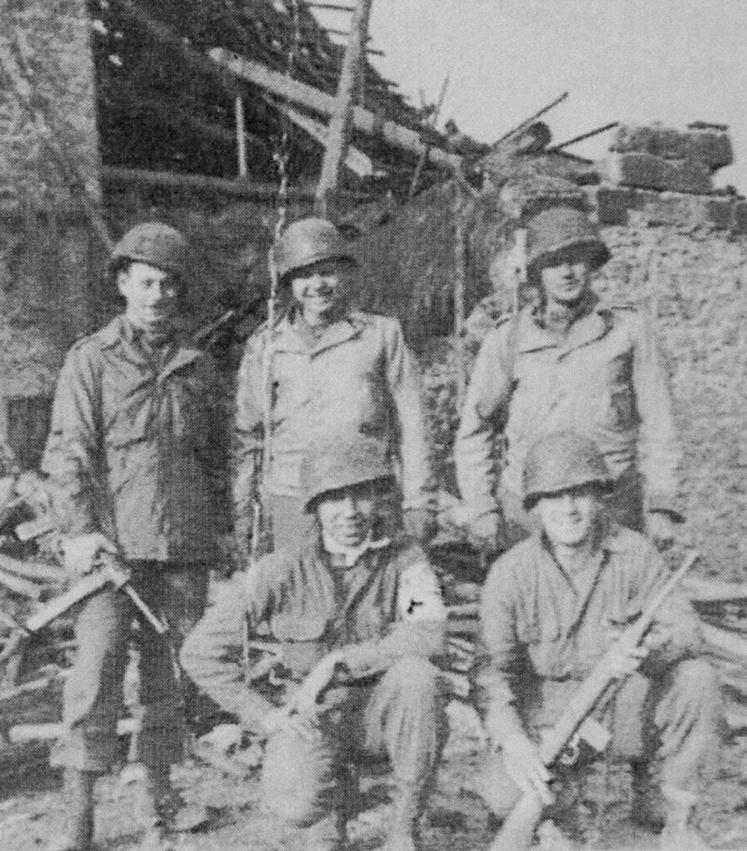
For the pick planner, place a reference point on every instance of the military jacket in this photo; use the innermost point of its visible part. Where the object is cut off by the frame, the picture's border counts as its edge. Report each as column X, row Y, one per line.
column 543, row 628
column 386, row 605
column 358, row 379
column 606, row 380
column 135, row 448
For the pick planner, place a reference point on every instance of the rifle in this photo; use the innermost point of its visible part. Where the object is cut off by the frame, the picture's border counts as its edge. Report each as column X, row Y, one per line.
column 518, row 828
column 106, row 573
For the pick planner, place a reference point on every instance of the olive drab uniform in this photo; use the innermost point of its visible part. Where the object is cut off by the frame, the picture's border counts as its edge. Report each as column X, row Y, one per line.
column 135, row 453
column 605, row 380
column 386, row 614
column 543, row 633
column 358, row 380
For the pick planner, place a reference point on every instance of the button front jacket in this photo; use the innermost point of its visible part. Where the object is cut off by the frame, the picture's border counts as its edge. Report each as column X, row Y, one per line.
column 358, row 379
column 384, row 607
column 606, row 380
column 544, row 629
column 135, row 449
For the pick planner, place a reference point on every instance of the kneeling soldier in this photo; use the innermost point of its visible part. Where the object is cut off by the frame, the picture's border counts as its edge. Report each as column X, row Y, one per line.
column 355, row 618
column 550, row 608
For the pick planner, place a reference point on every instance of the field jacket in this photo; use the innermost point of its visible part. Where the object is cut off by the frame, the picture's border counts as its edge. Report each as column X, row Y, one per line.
column 544, row 632
column 385, row 606
column 606, row 380
column 359, row 379
column 135, row 449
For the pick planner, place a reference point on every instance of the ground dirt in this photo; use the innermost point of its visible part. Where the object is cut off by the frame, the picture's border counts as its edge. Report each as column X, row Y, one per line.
column 32, row 809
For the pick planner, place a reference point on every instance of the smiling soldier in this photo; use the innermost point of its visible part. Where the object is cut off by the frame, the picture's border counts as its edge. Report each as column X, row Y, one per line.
column 550, row 608
column 350, row 618
column 569, row 362
column 135, row 468
column 334, row 371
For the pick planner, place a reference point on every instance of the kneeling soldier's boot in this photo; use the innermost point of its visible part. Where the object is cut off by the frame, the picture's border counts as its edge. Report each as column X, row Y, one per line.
column 328, row 834
column 78, row 793
column 679, row 833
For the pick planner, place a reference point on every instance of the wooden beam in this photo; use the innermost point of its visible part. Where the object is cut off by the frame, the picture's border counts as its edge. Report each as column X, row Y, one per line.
column 312, row 98
column 341, row 121
column 204, row 183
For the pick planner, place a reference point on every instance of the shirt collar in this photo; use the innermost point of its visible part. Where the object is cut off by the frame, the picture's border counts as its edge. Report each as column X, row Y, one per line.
column 352, row 555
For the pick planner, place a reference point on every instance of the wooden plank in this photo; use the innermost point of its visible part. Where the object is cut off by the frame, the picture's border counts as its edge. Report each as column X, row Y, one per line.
column 312, row 98
column 701, row 589
column 33, row 570
column 20, row 586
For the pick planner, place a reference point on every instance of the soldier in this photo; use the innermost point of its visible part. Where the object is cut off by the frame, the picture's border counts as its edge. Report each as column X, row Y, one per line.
column 353, row 618
column 135, row 468
column 569, row 362
column 333, row 370
column 550, row 608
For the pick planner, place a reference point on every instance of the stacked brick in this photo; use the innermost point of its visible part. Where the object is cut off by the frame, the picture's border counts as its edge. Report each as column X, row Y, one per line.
column 666, row 176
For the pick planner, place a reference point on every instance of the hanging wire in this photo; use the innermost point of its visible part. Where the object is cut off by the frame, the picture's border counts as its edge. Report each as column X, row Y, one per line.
column 281, row 156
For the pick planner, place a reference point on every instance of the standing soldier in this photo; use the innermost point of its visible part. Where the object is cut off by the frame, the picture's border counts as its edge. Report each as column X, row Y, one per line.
column 135, row 470
column 569, row 362
column 550, row 608
column 350, row 621
column 333, row 371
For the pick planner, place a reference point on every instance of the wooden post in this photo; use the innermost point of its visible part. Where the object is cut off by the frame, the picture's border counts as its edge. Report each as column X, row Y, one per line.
column 341, row 120
column 459, row 288
column 240, row 136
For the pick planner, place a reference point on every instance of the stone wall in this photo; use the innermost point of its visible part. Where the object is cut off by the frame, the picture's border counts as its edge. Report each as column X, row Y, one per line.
column 48, row 155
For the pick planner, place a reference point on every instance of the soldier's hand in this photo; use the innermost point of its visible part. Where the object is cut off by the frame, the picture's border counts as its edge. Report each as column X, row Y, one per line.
column 82, row 552
column 284, row 719
column 305, row 701
column 522, row 761
column 624, row 661
column 420, row 523
column 660, row 529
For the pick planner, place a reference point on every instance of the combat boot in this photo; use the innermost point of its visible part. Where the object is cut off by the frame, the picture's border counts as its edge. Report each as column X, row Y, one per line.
column 154, row 806
column 679, row 833
column 79, row 804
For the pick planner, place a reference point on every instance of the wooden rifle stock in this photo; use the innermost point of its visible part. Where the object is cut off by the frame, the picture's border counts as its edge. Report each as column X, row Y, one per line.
column 519, row 826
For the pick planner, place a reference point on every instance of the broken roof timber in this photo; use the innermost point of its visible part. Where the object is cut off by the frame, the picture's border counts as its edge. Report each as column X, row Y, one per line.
column 312, row 98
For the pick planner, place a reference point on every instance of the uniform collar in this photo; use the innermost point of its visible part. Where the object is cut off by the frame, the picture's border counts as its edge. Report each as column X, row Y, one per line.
column 286, row 337
column 120, row 332
column 352, row 555
column 533, row 336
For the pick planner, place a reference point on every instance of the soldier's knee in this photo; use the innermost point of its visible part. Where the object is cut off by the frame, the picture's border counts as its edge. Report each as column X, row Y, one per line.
column 415, row 675
column 696, row 680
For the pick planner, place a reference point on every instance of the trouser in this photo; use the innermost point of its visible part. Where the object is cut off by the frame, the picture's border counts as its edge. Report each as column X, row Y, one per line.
column 401, row 717
column 92, row 695
column 624, row 506
column 671, row 723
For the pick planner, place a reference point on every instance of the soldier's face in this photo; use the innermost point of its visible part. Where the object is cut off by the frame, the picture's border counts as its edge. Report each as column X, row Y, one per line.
column 566, row 280
column 152, row 295
column 319, row 288
column 347, row 515
column 569, row 517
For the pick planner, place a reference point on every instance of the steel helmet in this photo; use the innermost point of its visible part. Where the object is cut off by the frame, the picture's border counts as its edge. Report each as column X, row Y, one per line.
column 561, row 461
column 558, row 228
column 309, row 241
column 339, row 463
column 155, row 243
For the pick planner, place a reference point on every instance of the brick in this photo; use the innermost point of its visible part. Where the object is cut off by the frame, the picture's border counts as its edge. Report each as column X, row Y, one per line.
column 739, row 219
column 688, row 176
column 711, row 148
column 720, row 212
column 613, row 204
column 637, row 169
column 708, row 145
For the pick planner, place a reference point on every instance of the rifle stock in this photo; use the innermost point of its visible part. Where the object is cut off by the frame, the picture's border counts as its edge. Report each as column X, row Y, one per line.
column 518, row 828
